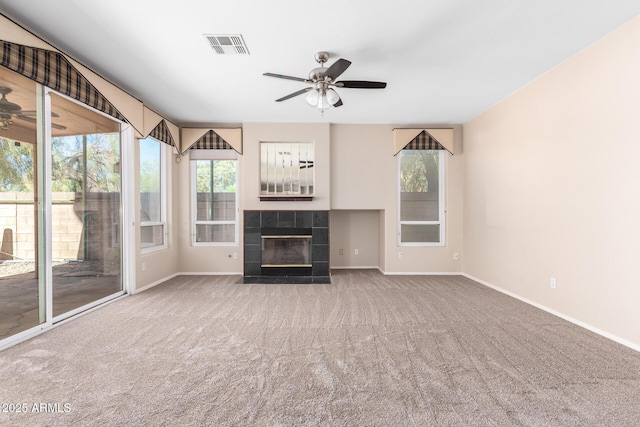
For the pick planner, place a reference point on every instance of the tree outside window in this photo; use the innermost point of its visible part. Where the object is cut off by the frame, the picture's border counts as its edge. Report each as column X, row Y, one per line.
column 421, row 197
column 152, row 216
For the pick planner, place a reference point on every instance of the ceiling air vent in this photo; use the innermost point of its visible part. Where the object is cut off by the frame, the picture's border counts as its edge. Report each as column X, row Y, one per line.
column 228, row 44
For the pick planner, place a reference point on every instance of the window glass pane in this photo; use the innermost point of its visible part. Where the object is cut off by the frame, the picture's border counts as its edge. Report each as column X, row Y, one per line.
column 214, row 199
column 215, row 233
column 215, row 190
column 419, row 185
column 151, row 235
column 150, row 181
column 420, row 233
column 20, row 285
column 86, row 206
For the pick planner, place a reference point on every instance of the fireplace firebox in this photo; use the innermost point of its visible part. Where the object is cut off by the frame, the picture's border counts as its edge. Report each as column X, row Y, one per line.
column 286, row 247
column 286, row 251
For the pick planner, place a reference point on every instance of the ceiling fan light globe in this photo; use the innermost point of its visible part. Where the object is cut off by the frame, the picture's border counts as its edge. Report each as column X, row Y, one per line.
column 312, row 97
column 323, row 103
column 332, row 97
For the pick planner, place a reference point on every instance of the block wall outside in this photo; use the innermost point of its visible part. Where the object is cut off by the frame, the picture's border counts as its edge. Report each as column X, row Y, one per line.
column 18, row 221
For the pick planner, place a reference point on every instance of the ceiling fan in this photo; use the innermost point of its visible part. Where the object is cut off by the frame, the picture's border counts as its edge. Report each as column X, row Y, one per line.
column 10, row 109
column 322, row 80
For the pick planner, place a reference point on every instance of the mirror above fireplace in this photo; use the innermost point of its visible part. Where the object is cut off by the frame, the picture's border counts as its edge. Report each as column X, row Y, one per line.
column 286, row 171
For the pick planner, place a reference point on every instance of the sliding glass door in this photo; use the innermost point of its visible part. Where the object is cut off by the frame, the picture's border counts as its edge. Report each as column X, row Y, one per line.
column 60, row 207
column 20, row 289
column 85, row 210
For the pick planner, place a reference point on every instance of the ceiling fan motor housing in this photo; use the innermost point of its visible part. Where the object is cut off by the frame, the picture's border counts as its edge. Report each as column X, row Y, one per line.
column 7, row 106
column 317, row 74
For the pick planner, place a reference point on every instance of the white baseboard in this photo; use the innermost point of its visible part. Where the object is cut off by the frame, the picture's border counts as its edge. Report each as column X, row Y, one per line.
column 397, row 273
column 188, row 273
column 421, row 273
column 151, row 285
column 210, row 273
column 577, row 322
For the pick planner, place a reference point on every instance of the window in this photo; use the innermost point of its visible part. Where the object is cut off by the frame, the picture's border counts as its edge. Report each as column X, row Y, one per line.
column 421, row 197
column 213, row 197
column 152, row 195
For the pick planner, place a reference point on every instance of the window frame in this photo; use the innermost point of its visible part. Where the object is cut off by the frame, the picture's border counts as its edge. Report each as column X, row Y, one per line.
column 163, row 199
column 441, row 203
column 211, row 155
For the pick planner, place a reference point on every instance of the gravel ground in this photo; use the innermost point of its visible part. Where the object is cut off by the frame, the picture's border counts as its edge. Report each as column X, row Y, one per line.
column 14, row 268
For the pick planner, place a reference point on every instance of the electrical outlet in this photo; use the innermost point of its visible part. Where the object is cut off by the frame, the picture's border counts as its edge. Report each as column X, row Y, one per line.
column 456, row 255
column 400, row 255
column 355, row 252
column 235, row 255
column 340, row 251
column 143, row 267
column 553, row 283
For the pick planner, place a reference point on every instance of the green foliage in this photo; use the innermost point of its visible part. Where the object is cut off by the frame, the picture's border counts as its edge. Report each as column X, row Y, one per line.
column 16, row 167
column 67, row 164
column 221, row 172
column 149, row 177
column 102, row 163
column 419, row 171
column 149, row 166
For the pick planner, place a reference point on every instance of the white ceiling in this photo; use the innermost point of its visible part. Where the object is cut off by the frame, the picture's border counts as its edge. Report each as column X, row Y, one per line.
column 445, row 61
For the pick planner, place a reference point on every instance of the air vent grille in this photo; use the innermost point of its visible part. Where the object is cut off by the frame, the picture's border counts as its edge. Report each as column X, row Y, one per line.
column 227, row 44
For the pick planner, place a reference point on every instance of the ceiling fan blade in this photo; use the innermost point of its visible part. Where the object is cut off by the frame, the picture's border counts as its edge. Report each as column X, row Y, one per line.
column 296, row 93
column 33, row 113
column 33, row 120
column 337, row 68
column 282, row 76
column 338, row 103
column 26, row 118
column 361, row 84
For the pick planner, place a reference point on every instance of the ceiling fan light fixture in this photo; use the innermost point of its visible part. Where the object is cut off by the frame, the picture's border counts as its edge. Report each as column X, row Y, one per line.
column 318, row 98
column 332, row 97
column 323, row 104
column 5, row 122
column 312, row 97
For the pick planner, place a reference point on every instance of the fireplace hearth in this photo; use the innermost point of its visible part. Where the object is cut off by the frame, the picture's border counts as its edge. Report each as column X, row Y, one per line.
column 286, row 247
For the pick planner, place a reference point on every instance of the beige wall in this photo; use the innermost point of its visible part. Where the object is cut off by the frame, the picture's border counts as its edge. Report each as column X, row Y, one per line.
column 355, row 175
column 202, row 259
column 364, row 176
column 551, row 188
column 219, row 259
column 351, row 230
column 254, row 133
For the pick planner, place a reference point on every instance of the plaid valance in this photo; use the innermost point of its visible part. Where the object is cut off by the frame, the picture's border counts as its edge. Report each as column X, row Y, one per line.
column 211, row 141
column 424, row 141
column 161, row 133
column 53, row 70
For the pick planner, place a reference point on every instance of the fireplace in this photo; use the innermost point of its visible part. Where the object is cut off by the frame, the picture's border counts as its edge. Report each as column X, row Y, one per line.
column 286, row 247
column 288, row 250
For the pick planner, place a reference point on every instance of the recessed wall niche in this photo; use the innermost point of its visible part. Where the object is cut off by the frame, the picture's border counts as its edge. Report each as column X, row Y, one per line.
column 286, row 170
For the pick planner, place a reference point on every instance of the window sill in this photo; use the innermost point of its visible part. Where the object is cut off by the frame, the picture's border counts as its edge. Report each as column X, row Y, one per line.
column 153, row 249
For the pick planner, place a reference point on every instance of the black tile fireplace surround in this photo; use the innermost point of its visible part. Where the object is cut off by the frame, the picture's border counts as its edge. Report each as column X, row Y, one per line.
column 261, row 225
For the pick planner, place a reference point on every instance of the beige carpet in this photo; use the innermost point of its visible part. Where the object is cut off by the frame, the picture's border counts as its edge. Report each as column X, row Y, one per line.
column 366, row 350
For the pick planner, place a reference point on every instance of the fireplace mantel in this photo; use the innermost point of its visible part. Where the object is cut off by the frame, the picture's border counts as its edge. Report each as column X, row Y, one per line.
column 285, row 198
